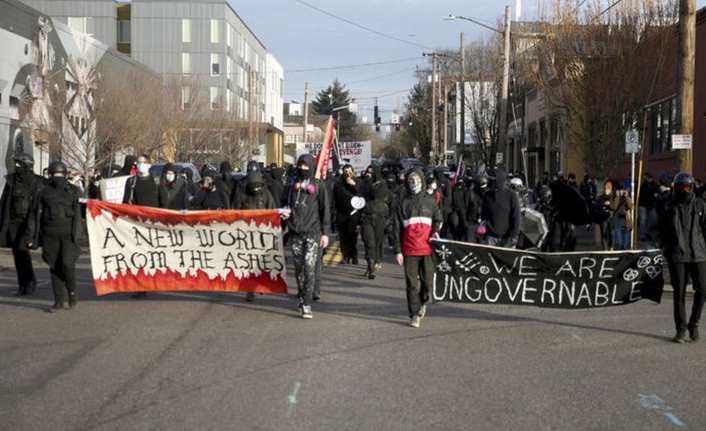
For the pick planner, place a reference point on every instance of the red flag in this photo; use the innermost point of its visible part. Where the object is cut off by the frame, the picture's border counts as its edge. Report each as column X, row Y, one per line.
column 324, row 157
column 459, row 172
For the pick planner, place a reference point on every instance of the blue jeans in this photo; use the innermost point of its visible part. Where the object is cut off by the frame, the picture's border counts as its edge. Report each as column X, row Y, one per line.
column 622, row 238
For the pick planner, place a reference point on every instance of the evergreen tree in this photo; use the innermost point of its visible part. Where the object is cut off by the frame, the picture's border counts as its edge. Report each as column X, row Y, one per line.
column 336, row 96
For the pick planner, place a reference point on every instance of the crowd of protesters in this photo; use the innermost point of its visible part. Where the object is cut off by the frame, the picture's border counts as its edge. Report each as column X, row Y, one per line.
column 387, row 206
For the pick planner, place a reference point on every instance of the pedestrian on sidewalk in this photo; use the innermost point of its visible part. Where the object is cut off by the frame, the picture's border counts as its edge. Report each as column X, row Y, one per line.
column 683, row 227
column 417, row 220
column 56, row 216
column 308, row 218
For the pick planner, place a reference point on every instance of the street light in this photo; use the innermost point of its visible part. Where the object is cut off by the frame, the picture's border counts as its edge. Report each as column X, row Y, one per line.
column 506, row 71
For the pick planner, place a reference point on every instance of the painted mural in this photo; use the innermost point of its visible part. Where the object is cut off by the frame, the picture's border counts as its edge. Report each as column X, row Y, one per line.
column 48, row 76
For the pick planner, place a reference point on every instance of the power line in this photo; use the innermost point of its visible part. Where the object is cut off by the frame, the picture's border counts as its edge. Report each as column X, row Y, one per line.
column 361, row 26
column 316, row 69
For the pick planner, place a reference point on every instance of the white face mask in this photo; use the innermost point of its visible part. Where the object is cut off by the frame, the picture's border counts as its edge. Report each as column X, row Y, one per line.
column 432, row 186
column 415, row 186
column 143, row 168
column 170, row 177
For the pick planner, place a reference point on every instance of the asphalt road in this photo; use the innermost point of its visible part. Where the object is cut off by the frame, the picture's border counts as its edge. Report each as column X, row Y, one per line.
column 211, row 361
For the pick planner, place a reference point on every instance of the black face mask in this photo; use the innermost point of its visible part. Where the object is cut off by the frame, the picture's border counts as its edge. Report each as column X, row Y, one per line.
column 60, row 182
column 682, row 196
column 304, row 174
column 22, row 169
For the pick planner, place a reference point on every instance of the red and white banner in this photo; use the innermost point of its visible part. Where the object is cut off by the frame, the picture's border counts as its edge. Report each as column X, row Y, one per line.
column 137, row 248
column 324, row 157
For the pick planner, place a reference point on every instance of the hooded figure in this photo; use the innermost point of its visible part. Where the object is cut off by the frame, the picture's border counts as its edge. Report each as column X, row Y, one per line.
column 276, row 183
column 171, row 189
column 347, row 218
column 256, row 196
column 225, row 181
column 21, row 189
column 500, row 214
column 417, row 219
column 210, row 196
column 309, row 222
column 378, row 201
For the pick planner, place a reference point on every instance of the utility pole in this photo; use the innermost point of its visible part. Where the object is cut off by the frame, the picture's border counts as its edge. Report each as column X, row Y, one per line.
column 306, row 109
column 433, row 108
column 462, row 126
column 685, row 79
column 442, row 147
column 251, row 113
column 502, row 123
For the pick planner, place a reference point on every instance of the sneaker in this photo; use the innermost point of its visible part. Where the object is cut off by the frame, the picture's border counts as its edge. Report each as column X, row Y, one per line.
column 72, row 300
column 377, row 266
column 415, row 321
column 371, row 275
column 679, row 338
column 56, row 307
column 693, row 332
column 306, row 312
column 422, row 312
column 354, row 261
column 316, row 297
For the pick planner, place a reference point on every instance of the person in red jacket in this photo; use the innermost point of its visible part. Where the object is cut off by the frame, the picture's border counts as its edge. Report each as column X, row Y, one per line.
column 417, row 220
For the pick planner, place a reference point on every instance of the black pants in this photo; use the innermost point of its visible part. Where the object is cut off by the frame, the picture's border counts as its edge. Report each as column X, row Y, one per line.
column 678, row 275
column 305, row 252
column 348, row 237
column 23, row 260
column 418, row 273
column 61, row 254
column 567, row 241
column 373, row 233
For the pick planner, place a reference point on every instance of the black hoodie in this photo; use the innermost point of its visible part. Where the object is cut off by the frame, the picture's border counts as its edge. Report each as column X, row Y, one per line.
column 378, row 198
column 501, row 210
column 311, row 213
column 256, row 196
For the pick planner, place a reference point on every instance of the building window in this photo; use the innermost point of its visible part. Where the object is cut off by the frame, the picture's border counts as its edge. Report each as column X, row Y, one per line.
column 186, row 30
column 185, row 97
column 82, row 24
column 124, row 32
column 215, row 65
column 214, row 31
column 663, row 126
column 186, row 63
column 215, row 98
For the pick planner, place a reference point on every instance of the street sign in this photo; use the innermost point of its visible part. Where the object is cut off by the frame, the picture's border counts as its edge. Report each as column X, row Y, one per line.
column 681, row 142
column 632, row 142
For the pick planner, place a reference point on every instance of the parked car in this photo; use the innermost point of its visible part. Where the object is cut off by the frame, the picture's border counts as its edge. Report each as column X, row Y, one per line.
column 157, row 168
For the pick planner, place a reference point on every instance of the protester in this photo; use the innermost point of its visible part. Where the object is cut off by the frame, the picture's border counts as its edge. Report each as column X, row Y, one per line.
column 682, row 228
column 475, row 202
column 172, row 190
column 459, row 206
column 190, row 186
column 256, row 197
column 622, row 207
column 347, row 217
column 56, row 216
column 21, row 189
column 308, row 219
column 603, row 216
column 500, row 214
column 142, row 190
column 210, row 196
column 549, row 211
column 378, row 201
column 225, row 181
column 417, row 220
column 129, row 166
column 646, row 211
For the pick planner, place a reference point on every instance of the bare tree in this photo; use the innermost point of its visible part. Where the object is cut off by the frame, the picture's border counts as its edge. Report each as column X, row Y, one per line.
column 599, row 66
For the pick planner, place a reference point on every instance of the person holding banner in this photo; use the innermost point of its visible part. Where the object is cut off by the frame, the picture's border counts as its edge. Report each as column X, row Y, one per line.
column 683, row 235
column 500, row 214
column 56, row 214
column 417, row 220
column 308, row 218
column 141, row 190
column 210, row 196
column 172, row 190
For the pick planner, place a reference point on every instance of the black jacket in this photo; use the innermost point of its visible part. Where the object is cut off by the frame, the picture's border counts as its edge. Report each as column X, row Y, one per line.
column 501, row 210
column 256, row 196
column 56, row 212
column 682, row 228
column 378, row 198
column 18, row 197
column 310, row 211
column 342, row 195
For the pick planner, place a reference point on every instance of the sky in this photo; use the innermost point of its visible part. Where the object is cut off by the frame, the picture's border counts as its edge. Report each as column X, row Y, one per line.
column 318, row 41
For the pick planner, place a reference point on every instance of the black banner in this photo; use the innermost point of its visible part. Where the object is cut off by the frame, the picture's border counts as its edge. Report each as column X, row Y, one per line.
column 482, row 274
